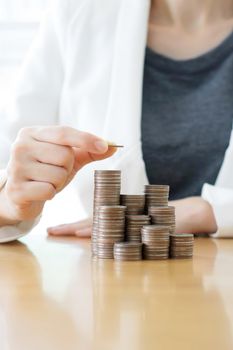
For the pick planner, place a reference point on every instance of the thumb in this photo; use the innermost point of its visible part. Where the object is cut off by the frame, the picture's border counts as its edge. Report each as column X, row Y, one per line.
column 82, row 158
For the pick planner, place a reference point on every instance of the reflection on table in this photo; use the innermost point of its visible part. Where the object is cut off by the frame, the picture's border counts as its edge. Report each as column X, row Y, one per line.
column 53, row 295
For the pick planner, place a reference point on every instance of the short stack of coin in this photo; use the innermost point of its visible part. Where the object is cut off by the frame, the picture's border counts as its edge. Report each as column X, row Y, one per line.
column 163, row 216
column 134, row 224
column 135, row 204
column 107, row 187
column 111, row 229
column 181, row 246
column 156, row 196
column 128, row 251
column 155, row 241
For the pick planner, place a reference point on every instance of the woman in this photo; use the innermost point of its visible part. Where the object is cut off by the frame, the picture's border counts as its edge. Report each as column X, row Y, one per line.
column 154, row 76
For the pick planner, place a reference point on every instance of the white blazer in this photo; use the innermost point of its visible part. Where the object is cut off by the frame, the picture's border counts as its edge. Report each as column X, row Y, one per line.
column 85, row 70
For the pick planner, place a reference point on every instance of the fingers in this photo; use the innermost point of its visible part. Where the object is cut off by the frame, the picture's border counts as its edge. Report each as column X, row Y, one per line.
column 48, row 153
column 54, row 175
column 43, row 161
column 31, row 191
column 84, row 233
column 67, row 136
column 66, row 229
column 20, row 172
column 57, row 145
column 80, row 229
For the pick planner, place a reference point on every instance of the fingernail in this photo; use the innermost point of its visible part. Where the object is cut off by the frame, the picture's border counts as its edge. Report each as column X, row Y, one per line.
column 111, row 143
column 101, row 146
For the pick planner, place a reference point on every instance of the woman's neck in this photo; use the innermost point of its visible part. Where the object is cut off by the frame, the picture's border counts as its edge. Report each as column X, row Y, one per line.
column 187, row 28
column 190, row 14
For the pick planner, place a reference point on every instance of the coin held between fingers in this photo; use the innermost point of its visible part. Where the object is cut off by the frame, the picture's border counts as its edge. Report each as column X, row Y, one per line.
column 115, row 146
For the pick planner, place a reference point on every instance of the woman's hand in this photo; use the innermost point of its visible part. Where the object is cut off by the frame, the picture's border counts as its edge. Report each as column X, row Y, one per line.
column 80, row 229
column 194, row 215
column 43, row 161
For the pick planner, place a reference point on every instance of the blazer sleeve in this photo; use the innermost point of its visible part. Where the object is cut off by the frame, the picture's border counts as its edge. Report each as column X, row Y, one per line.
column 220, row 196
column 35, row 99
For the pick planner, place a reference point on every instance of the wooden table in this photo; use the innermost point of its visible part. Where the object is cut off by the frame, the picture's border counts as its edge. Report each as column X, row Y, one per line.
column 54, row 296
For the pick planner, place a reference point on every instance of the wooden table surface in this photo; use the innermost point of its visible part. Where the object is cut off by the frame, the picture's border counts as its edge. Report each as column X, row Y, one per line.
column 54, row 296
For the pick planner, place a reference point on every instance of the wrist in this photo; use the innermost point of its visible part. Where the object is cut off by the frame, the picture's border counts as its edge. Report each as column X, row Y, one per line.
column 209, row 217
column 6, row 216
column 3, row 178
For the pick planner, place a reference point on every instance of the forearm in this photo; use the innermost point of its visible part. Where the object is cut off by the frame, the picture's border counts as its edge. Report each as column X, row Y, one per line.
column 194, row 215
column 221, row 200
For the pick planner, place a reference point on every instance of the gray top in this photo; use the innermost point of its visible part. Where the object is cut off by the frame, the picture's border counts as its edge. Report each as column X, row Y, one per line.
column 187, row 116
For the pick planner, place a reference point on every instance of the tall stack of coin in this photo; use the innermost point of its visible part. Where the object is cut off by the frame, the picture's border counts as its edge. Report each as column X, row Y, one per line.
column 134, row 223
column 163, row 216
column 181, row 246
column 111, row 229
column 107, row 192
column 135, row 204
column 155, row 241
column 156, row 195
column 128, row 251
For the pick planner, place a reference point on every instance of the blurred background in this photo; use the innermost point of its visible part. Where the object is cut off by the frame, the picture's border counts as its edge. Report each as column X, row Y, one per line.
column 19, row 23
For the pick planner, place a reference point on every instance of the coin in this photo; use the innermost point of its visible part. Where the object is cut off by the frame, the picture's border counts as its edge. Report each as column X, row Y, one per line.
column 181, row 246
column 105, row 250
column 163, row 216
column 156, row 195
column 155, row 241
column 127, row 251
column 116, row 146
column 134, row 223
column 135, row 204
column 107, row 187
column 111, row 229
column 146, row 222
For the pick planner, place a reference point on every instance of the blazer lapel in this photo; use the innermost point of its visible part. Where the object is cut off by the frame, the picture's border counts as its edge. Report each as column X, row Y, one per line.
column 123, row 121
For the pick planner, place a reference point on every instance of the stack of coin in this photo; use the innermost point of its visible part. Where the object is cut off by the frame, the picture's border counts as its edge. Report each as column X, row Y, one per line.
column 107, row 192
column 163, row 216
column 181, row 246
column 156, row 195
column 134, row 223
column 135, row 204
column 111, row 229
column 155, row 241
column 128, row 251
